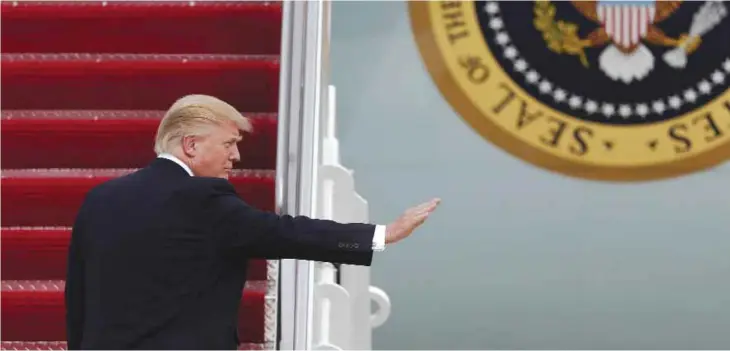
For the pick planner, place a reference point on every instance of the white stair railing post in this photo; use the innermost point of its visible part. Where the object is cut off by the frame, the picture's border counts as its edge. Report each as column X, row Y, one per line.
column 343, row 319
column 331, row 302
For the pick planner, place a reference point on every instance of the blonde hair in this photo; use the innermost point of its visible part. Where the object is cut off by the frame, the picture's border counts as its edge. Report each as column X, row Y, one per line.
column 192, row 113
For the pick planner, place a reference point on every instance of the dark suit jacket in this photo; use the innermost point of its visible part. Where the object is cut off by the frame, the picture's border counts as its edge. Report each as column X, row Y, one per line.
column 157, row 259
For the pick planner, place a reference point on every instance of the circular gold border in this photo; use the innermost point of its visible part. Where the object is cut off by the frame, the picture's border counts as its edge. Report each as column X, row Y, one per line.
column 422, row 29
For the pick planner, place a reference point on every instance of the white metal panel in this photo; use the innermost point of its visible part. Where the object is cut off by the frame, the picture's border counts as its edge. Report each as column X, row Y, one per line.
column 300, row 105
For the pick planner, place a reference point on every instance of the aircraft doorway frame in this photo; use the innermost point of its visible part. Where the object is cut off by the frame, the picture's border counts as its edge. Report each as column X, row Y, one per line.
column 302, row 98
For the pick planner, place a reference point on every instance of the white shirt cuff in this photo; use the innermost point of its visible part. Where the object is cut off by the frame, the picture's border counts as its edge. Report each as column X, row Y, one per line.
column 379, row 238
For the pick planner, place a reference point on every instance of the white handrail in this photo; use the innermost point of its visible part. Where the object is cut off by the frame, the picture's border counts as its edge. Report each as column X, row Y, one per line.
column 383, row 301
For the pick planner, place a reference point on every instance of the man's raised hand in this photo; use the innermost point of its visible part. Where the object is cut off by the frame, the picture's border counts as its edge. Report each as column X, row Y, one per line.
column 402, row 227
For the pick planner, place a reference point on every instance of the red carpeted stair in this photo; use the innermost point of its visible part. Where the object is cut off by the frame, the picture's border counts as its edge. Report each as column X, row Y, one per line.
column 84, row 85
column 76, row 137
column 121, row 82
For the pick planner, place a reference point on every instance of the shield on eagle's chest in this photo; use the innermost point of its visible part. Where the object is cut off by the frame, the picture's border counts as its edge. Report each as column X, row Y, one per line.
column 626, row 22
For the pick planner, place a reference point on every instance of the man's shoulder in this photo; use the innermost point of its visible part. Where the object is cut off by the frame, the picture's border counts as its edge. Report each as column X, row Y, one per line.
column 206, row 186
column 183, row 188
column 105, row 188
column 119, row 182
column 202, row 192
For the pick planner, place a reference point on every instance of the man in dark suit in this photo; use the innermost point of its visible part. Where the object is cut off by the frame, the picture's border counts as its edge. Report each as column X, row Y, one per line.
column 157, row 258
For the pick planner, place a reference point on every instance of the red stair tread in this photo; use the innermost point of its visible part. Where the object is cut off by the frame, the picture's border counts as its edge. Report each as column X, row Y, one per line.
column 35, row 311
column 51, row 197
column 61, row 345
column 108, row 139
column 33, row 345
column 40, row 253
column 235, row 27
column 136, row 82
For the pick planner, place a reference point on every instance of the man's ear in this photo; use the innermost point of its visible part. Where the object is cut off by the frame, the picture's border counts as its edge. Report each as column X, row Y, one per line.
column 189, row 145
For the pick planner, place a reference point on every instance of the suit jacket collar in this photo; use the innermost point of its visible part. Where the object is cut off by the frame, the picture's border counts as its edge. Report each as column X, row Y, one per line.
column 169, row 167
column 178, row 161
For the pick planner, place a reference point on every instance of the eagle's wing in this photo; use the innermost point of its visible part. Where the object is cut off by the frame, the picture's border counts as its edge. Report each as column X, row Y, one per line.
column 587, row 9
column 665, row 9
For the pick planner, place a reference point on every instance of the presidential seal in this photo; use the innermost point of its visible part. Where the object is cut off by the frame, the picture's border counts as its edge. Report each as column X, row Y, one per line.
column 606, row 90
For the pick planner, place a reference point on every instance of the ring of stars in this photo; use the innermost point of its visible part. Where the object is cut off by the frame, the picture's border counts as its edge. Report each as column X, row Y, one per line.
column 716, row 79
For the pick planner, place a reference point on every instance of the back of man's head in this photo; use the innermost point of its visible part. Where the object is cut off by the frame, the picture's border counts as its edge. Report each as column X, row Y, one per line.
column 191, row 114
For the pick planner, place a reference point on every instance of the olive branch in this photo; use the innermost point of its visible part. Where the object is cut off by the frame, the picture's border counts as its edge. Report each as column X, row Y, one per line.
column 561, row 37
